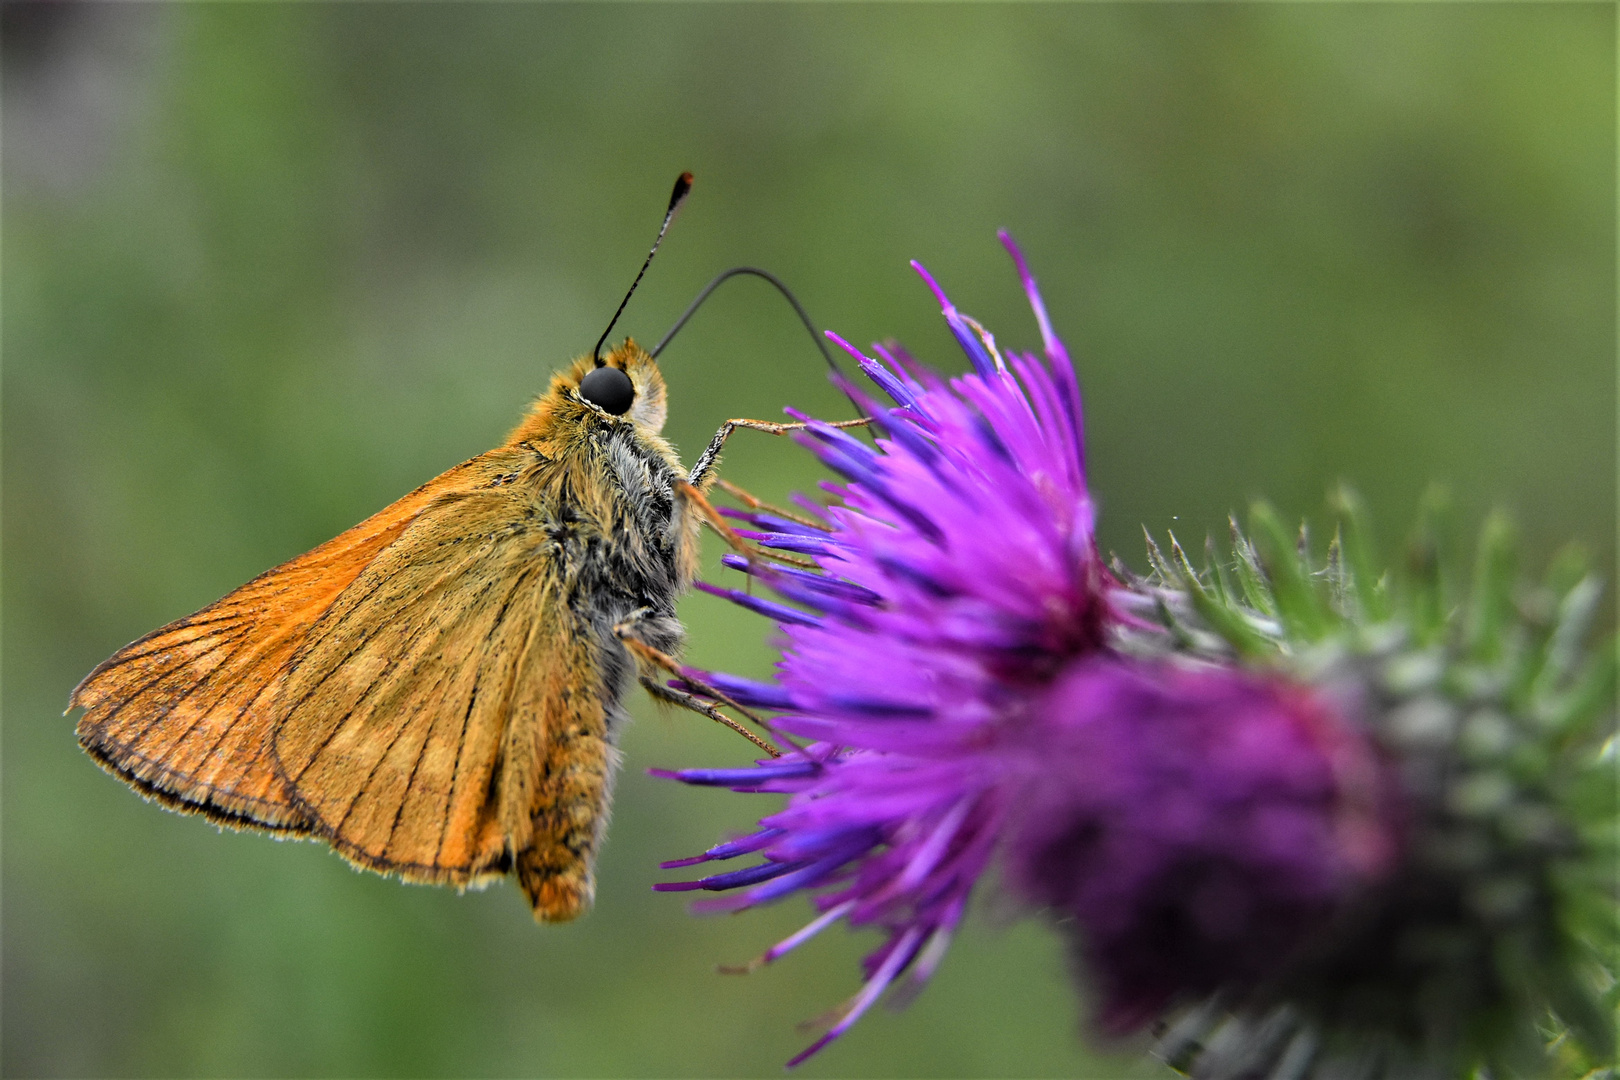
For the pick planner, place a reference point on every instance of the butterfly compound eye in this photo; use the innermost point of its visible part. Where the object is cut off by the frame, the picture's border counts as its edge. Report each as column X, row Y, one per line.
column 609, row 389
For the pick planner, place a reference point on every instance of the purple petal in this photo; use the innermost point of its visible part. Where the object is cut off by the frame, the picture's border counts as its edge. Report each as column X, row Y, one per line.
column 898, row 958
column 784, row 769
column 808, row 543
column 734, row 879
column 887, row 382
column 976, row 354
column 729, row 850
column 772, row 522
column 769, row 608
column 743, row 691
column 805, row 933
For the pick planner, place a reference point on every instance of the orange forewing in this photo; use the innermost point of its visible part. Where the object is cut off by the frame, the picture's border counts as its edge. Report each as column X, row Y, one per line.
column 184, row 713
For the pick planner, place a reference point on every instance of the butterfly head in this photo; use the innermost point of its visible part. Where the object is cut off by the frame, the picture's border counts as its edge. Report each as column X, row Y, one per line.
column 627, row 384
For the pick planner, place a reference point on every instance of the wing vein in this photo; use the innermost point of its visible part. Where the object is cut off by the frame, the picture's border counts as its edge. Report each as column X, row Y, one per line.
column 202, row 714
column 124, row 656
column 461, row 742
column 381, row 759
column 163, row 711
column 457, row 570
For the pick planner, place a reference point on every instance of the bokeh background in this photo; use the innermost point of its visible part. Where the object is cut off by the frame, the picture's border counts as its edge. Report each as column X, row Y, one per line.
column 268, row 267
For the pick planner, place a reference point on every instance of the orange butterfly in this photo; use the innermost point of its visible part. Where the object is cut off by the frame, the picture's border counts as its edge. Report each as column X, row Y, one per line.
column 437, row 692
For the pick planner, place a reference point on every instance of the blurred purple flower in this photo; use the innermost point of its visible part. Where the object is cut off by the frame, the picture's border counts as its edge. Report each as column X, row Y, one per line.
column 1191, row 828
column 950, row 660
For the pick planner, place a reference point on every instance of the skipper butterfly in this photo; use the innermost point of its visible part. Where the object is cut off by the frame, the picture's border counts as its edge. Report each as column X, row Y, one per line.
column 437, row 692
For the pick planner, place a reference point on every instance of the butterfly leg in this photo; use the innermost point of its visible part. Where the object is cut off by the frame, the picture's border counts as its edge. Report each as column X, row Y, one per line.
column 753, row 502
column 671, row 696
column 712, row 517
column 649, row 657
column 706, row 460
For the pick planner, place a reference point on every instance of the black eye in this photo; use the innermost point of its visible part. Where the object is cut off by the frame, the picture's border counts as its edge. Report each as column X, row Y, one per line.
column 609, row 389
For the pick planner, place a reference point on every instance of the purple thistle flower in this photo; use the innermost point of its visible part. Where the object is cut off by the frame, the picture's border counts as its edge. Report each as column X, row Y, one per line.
column 951, row 661
column 1192, row 828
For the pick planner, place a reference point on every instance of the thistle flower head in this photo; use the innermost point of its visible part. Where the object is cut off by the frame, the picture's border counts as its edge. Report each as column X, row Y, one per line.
column 1313, row 823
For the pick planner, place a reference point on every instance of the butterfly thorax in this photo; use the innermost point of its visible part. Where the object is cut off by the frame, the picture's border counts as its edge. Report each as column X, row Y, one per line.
column 606, row 488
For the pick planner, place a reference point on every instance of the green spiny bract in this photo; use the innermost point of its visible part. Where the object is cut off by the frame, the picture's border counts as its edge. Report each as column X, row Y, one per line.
column 1490, row 947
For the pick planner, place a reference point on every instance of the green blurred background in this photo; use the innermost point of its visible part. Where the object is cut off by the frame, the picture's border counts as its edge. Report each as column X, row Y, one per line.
column 268, row 267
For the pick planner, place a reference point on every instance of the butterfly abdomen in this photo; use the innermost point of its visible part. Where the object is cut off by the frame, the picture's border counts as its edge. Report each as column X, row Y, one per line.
column 622, row 552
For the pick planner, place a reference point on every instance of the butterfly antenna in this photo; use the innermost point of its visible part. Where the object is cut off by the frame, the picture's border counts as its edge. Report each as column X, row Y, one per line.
column 781, row 287
column 804, row 316
column 683, row 185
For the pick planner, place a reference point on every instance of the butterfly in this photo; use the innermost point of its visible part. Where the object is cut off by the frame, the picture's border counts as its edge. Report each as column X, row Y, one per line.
column 437, row 693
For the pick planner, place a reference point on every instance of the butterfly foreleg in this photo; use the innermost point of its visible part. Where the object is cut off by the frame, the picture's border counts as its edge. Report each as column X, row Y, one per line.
column 671, row 696
column 711, row 517
column 753, row 502
column 711, row 454
column 650, row 659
